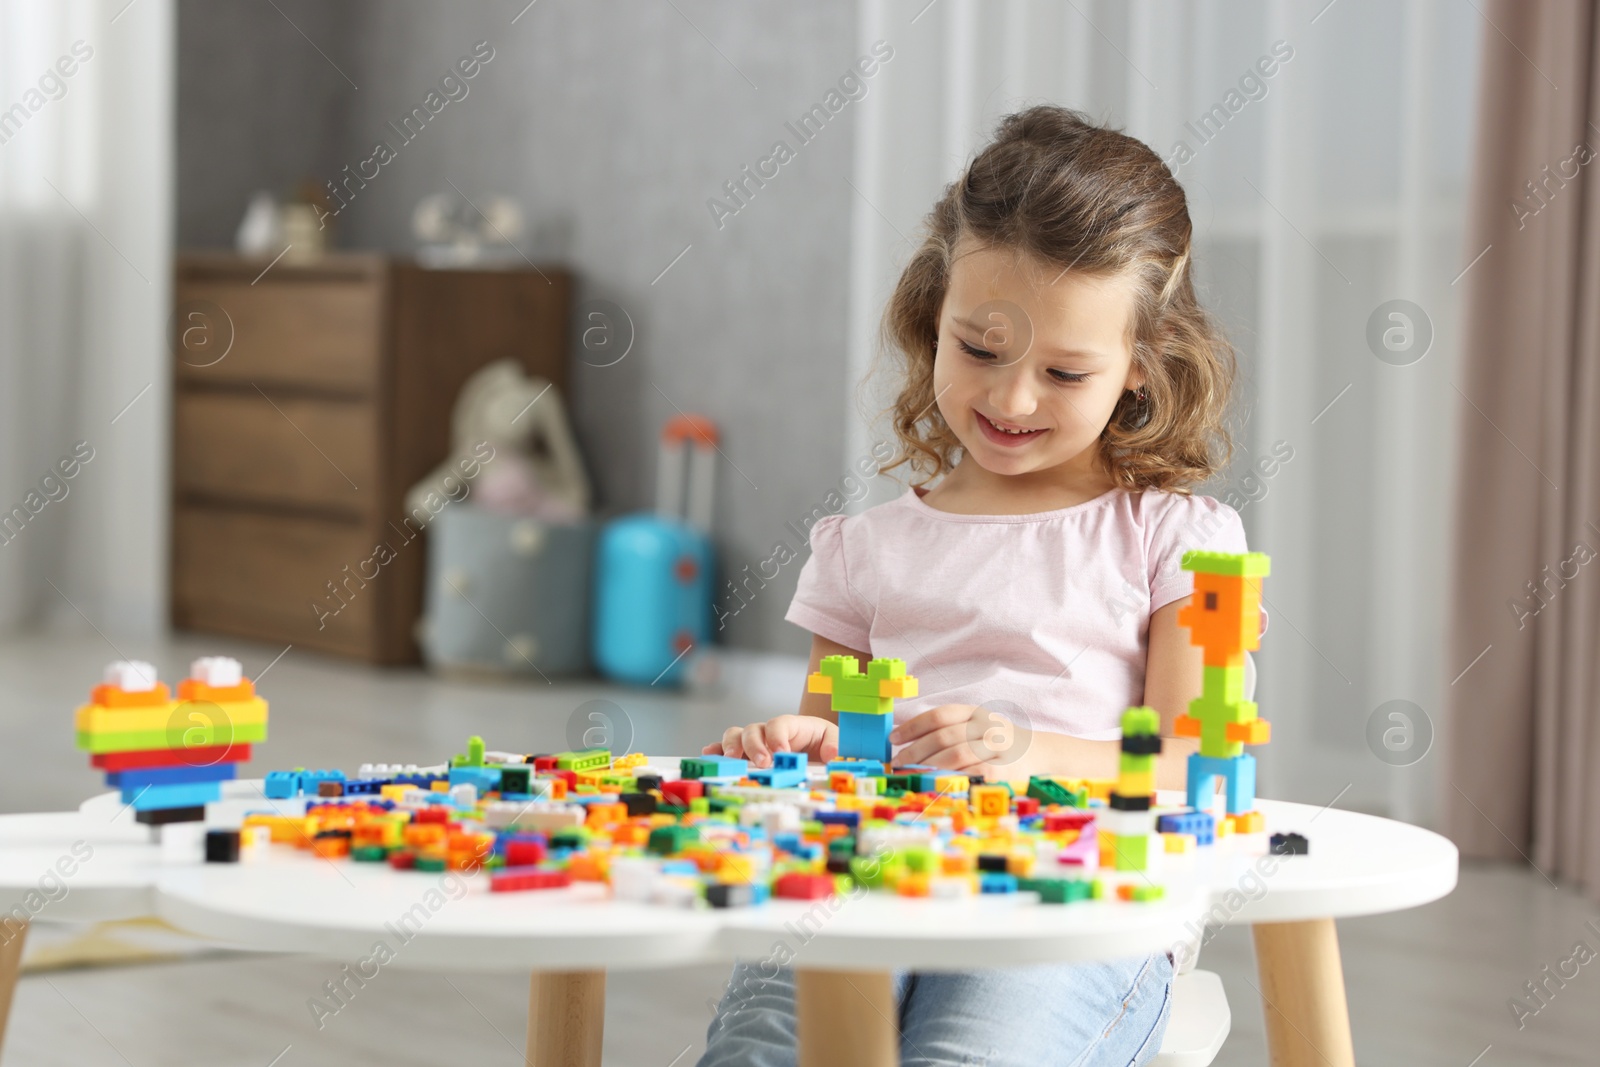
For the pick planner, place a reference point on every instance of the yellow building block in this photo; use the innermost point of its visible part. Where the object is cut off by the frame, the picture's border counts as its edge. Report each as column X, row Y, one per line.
column 736, row 867
column 176, row 715
column 1136, row 784
column 1246, row 822
column 1254, row 732
column 1020, row 864
column 1178, row 843
column 990, row 800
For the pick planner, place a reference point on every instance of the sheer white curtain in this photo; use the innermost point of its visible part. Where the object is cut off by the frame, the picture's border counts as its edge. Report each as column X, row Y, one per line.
column 86, row 121
column 1319, row 193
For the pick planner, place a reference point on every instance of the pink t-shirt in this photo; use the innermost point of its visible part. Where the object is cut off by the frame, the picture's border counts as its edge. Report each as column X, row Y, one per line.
column 1049, row 612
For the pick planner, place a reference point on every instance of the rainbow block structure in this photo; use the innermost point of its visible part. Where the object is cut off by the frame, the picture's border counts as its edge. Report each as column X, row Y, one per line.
column 1224, row 619
column 169, row 757
column 1128, row 838
column 864, row 703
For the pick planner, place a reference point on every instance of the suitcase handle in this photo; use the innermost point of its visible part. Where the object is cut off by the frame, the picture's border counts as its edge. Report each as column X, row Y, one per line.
column 680, row 468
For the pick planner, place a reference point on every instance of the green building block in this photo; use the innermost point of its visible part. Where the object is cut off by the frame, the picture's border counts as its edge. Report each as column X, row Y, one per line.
column 573, row 837
column 1143, row 893
column 1232, row 564
column 474, row 756
column 1140, row 722
column 587, row 760
column 1047, row 790
column 693, row 767
column 864, row 705
column 1057, row 890
column 1222, row 685
column 1134, row 764
column 699, row 806
column 666, row 840
column 1132, row 852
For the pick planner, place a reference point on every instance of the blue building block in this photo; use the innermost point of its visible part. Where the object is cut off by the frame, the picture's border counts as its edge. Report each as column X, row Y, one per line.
column 282, row 785
column 1239, row 777
column 865, row 736
column 839, row 818
column 485, row 778
column 309, row 780
column 216, row 772
column 788, row 771
column 362, row 787
column 1198, row 823
column 997, row 882
column 187, row 795
column 727, row 767
column 857, row 767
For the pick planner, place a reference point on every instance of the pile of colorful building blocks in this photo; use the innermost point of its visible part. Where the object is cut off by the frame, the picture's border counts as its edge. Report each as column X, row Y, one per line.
column 170, row 757
column 713, row 829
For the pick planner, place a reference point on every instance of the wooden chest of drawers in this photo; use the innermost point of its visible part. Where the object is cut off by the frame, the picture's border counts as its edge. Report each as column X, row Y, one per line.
column 307, row 401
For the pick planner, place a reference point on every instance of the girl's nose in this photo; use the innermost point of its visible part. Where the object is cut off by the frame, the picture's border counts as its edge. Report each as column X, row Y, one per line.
column 1012, row 393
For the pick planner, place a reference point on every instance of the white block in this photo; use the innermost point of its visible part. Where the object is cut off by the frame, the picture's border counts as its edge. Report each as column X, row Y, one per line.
column 131, row 675
column 219, row 672
column 183, row 842
column 633, row 878
column 948, row 888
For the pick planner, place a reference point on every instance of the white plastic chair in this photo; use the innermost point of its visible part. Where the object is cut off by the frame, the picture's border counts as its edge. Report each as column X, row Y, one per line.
column 1200, row 1018
column 1199, row 1023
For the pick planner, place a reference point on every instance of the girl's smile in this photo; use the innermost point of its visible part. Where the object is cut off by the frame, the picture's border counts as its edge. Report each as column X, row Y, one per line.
column 1007, row 434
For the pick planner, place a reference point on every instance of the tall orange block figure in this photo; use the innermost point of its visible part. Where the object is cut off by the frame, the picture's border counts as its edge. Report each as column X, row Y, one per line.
column 1224, row 619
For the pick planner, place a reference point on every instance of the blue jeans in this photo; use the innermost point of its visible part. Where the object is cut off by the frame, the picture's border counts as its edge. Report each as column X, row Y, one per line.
column 1057, row 1014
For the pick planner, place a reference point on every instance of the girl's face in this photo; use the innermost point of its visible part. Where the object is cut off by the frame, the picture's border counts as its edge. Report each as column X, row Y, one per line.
column 1031, row 360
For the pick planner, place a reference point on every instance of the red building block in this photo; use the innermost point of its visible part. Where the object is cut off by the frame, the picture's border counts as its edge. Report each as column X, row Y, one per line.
column 513, row 879
column 524, row 853
column 202, row 756
column 682, row 791
column 797, row 886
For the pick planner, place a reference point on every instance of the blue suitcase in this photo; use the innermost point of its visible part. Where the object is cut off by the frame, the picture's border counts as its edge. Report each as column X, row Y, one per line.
column 653, row 570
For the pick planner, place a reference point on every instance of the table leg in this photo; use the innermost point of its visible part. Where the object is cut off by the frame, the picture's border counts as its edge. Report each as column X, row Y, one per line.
column 847, row 1019
column 10, row 964
column 1302, row 989
column 566, row 1018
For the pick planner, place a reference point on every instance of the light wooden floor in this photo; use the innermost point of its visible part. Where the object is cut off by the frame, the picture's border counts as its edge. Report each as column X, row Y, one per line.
column 1428, row 986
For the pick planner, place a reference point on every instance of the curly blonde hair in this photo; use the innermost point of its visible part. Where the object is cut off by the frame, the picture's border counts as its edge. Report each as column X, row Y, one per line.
column 1088, row 198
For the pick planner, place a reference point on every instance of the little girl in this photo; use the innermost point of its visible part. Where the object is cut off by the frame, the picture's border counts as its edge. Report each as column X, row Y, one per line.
column 1065, row 388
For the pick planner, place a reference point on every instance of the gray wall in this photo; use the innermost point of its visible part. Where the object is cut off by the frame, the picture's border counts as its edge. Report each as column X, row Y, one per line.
column 613, row 123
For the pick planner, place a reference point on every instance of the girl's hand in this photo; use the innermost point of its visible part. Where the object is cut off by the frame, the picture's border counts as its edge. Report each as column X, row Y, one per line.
column 964, row 737
column 816, row 737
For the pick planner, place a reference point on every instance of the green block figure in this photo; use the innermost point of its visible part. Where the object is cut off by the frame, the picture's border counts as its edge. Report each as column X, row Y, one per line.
column 474, row 756
column 873, row 693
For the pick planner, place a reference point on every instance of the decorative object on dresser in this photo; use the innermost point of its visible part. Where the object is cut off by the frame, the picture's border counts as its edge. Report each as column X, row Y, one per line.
column 307, row 400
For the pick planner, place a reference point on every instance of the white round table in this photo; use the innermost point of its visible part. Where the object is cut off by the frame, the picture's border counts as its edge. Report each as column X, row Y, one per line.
column 842, row 949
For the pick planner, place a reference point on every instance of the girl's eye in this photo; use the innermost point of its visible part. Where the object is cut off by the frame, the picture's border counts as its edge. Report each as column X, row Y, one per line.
column 1064, row 376
column 975, row 353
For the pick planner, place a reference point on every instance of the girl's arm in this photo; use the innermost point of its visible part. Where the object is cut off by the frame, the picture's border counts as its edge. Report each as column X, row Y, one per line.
column 1173, row 675
column 814, row 731
column 961, row 737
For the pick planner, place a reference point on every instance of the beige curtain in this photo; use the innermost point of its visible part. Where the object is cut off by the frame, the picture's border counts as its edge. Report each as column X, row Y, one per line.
column 1524, row 719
